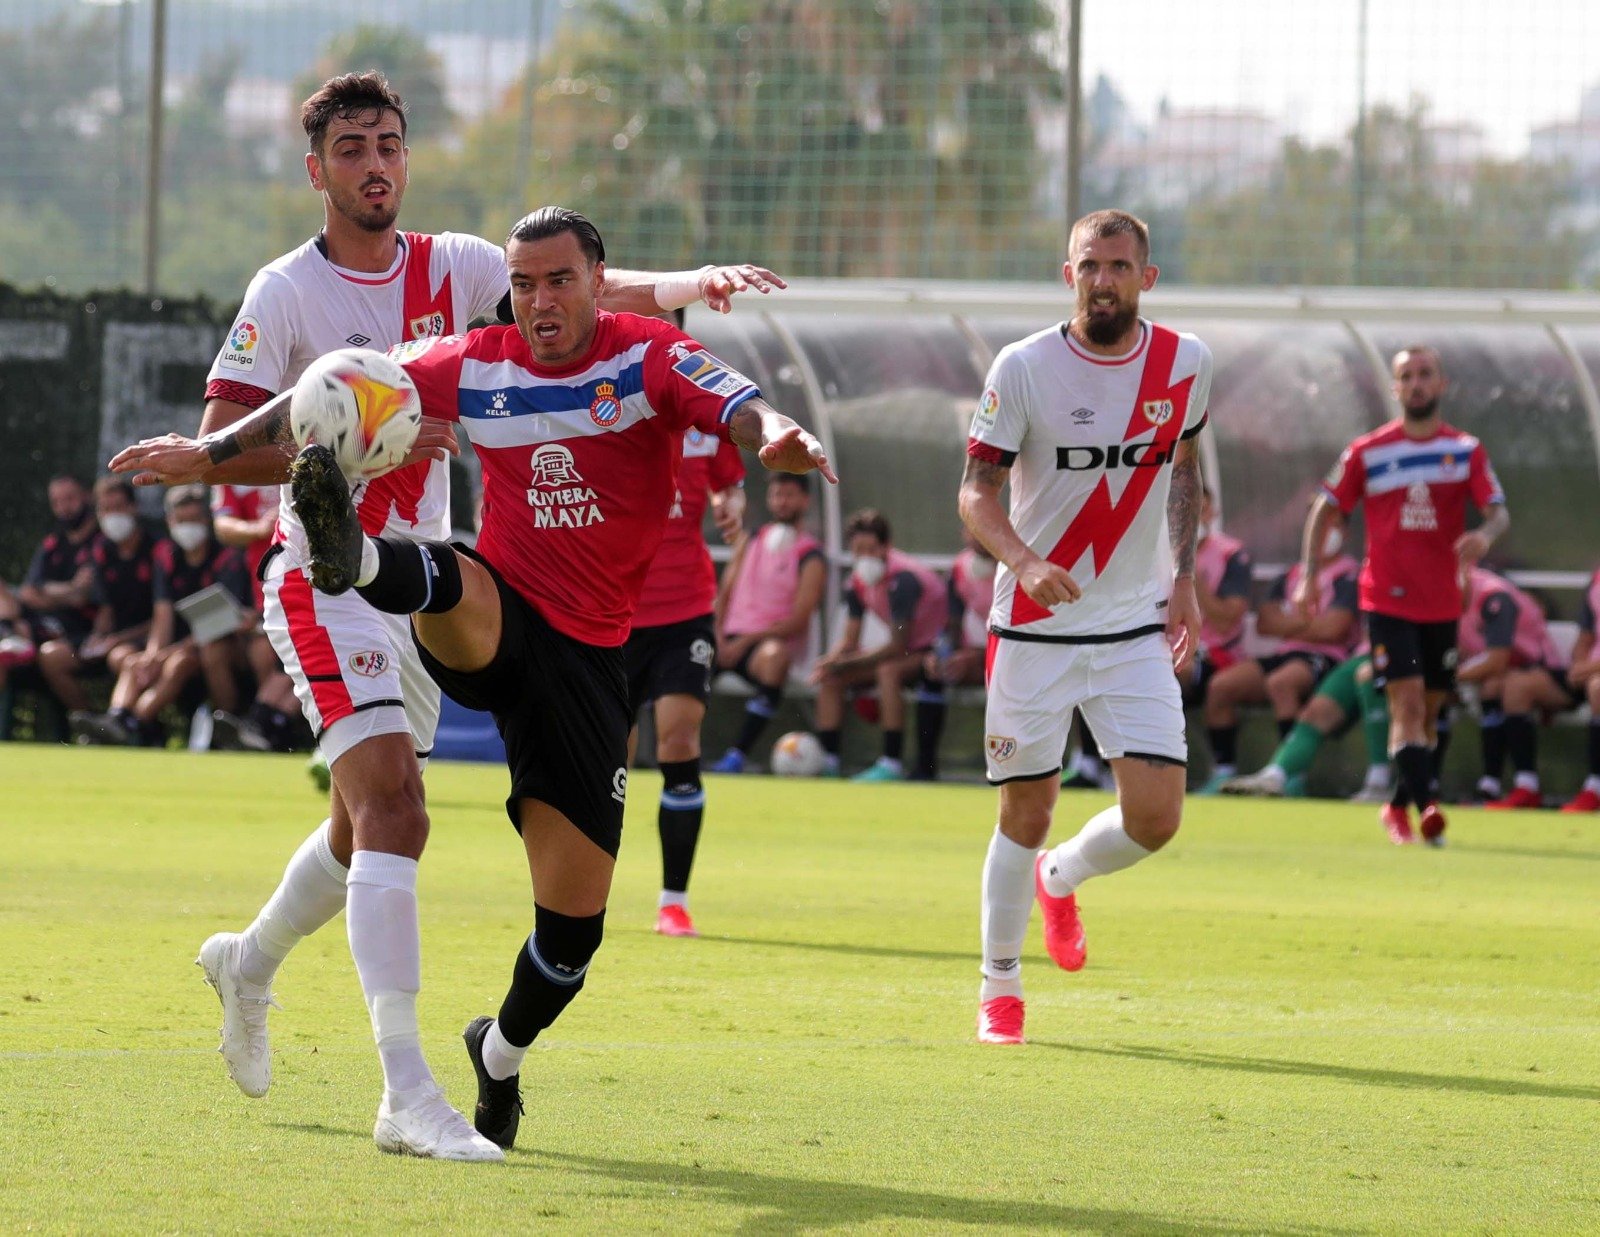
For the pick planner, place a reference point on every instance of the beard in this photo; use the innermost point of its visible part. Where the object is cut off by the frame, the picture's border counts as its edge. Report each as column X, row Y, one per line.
column 365, row 215
column 1107, row 329
column 1422, row 413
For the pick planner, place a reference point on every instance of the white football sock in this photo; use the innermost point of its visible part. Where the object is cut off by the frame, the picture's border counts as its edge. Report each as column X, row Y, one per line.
column 671, row 897
column 1592, row 782
column 386, row 943
column 1526, row 781
column 501, row 1059
column 1007, row 903
column 311, row 893
column 368, row 571
column 1101, row 847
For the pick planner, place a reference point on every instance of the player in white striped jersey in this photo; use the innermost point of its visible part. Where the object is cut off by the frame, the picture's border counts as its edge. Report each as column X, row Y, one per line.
column 1094, row 423
column 360, row 283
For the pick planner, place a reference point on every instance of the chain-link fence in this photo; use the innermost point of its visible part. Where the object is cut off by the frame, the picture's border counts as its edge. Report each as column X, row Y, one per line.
column 1413, row 142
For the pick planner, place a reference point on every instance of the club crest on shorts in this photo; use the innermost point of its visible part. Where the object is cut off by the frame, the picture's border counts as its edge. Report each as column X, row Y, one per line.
column 370, row 663
column 606, row 409
column 1158, row 411
column 700, row 653
column 1001, row 748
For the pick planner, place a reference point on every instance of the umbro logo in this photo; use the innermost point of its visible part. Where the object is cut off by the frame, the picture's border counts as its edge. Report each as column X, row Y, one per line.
column 358, row 341
column 1082, row 415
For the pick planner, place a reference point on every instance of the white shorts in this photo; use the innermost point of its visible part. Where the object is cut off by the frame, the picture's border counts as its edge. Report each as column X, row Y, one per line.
column 1125, row 690
column 355, row 669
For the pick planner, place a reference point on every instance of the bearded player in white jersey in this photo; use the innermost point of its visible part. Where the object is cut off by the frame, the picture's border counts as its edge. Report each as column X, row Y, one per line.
column 1094, row 423
column 362, row 283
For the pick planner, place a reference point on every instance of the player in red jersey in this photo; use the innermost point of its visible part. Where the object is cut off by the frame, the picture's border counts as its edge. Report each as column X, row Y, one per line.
column 671, row 654
column 578, row 418
column 1416, row 475
column 363, row 283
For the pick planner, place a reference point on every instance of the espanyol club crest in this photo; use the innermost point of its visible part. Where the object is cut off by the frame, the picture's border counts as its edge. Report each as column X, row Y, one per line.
column 1158, row 411
column 606, row 409
column 1002, row 748
column 370, row 663
column 428, row 324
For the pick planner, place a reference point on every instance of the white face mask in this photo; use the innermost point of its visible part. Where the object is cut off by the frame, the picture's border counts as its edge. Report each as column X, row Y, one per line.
column 1204, row 531
column 777, row 538
column 869, row 571
column 189, row 537
column 1332, row 543
column 117, row 525
column 982, row 567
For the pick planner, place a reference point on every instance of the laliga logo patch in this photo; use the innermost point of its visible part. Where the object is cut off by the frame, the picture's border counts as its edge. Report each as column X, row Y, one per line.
column 606, row 410
column 988, row 408
column 1002, row 748
column 427, row 325
column 1158, row 411
column 240, row 351
column 370, row 664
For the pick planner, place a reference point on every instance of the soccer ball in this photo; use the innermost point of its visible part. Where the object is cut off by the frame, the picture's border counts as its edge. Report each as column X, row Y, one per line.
column 360, row 405
column 798, row 754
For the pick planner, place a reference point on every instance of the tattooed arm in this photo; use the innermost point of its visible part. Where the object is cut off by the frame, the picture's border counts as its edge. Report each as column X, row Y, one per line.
column 1047, row 584
column 779, row 442
column 1183, row 522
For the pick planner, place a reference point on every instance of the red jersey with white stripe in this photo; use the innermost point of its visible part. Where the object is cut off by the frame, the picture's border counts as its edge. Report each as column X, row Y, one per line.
column 1416, row 491
column 302, row 306
column 1091, row 441
column 580, row 463
column 682, row 580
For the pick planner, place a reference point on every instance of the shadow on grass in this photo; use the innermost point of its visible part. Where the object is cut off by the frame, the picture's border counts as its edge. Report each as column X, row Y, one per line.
column 316, row 1127
column 1404, row 1079
column 779, row 1204
column 835, row 947
column 1528, row 852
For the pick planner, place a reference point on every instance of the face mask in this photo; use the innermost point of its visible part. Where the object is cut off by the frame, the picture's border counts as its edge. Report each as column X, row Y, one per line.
column 189, row 537
column 982, row 568
column 117, row 525
column 777, row 538
column 868, row 571
column 1332, row 543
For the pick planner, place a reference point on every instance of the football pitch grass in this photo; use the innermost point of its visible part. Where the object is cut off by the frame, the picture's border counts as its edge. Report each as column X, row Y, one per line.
column 1286, row 1024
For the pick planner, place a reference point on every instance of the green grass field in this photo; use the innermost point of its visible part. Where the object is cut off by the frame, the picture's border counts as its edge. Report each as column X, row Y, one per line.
column 1286, row 1024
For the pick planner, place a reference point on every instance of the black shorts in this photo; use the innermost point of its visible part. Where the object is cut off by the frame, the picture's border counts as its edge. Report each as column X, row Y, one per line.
column 1320, row 663
column 1577, row 694
column 1402, row 649
column 1194, row 691
column 675, row 659
column 562, row 708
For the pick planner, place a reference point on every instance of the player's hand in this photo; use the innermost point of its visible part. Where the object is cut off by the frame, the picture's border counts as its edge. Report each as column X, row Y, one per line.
column 1183, row 623
column 436, row 440
column 796, row 450
column 171, row 459
column 727, row 513
column 1048, row 584
column 719, row 284
column 1470, row 549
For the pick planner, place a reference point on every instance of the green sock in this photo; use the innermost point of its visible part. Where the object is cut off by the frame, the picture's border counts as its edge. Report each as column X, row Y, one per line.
column 1298, row 749
column 1374, row 722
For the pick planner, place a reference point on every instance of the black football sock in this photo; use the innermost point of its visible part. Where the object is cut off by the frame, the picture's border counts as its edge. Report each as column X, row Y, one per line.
column 1224, row 745
column 1413, row 764
column 1441, row 746
column 931, row 711
column 683, row 806
column 414, row 577
column 1594, row 747
column 549, row 972
column 830, row 740
column 1522, row 742
column 894, row 744
column 1285, row 725
column 758, row 711
column 1492, row 735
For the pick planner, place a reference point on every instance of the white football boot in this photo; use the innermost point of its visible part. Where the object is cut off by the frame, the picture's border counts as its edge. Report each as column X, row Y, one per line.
column 431, row 1128
column 244, row 1014
column 1268, row 783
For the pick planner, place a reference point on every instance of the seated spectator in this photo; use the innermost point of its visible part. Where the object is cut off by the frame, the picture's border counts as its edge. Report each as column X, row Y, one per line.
column 244, row 516
column 55, row 589
column 1583, row 683
column 766, row 601
column 1308, row 648
column 189, row 560
column 1503, row 637
column 16, row 636
column 958, row 654
column 1344, row 696
column 910, row 599
column 122, row 579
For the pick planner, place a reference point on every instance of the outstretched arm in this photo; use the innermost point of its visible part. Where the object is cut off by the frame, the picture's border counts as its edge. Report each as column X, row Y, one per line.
column 649, row 292
column 778, row 441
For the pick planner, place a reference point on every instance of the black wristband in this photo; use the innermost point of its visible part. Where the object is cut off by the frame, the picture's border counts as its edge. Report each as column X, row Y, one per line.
column 224, row 448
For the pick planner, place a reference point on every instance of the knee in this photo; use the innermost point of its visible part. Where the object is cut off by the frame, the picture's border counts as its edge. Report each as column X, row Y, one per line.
column 397, row 809
column 1026, row 823
column 56, row 655
column 770, row 664
column 1153, row 828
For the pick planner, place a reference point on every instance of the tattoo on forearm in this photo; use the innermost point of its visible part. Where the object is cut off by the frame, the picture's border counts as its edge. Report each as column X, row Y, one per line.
column 1183, row 512
column 268, row 427
column 982, row 472
column 744, row 427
